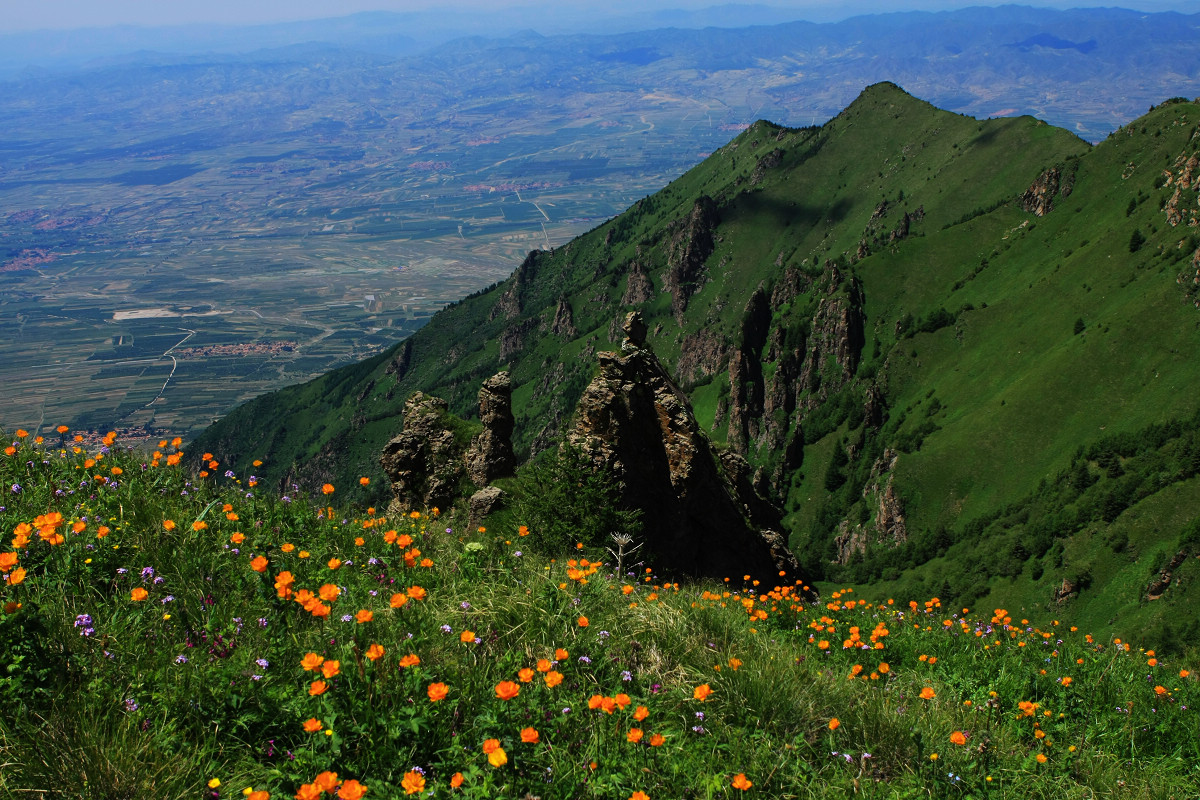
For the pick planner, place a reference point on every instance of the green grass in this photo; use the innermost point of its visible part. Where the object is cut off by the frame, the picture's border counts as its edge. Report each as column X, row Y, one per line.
column 198, row 689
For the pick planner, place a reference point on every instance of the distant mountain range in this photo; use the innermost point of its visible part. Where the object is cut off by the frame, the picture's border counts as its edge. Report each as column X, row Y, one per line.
column 960, row 354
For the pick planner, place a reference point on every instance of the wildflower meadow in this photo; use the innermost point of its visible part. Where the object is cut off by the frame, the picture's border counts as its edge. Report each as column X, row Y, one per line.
column 170, row 629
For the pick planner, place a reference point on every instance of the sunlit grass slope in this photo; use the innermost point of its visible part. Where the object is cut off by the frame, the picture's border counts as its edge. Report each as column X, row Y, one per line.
column 169, row 635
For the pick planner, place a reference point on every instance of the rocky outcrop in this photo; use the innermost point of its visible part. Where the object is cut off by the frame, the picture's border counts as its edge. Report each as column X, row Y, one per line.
column 634, row 421
column 512, row 338
column 483, row 503
column 1038, row 199
column 770, row 161
column 563, row 324
column 702, row 354
column 511, row 303
column 889, row 525
column 490, row 455
column 638, row 288
column 424, row 461
column 1158, row 587
column 836, row 342
column 690, row 246
column 745, row 373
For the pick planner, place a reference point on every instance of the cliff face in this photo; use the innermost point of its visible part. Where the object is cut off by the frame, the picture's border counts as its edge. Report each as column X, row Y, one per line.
column 691, row 244
column 633, row 420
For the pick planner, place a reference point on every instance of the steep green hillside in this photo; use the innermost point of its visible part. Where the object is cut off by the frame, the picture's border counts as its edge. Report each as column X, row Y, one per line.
column 961, row 352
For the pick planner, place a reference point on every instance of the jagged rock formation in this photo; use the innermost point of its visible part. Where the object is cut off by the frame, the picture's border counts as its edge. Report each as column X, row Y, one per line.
column 491, row 455
column 424, row 461
column 836, row 342
column 889, row 525
column 563, row 324
column 634, row 421
column 691, row 245
column 638, row 288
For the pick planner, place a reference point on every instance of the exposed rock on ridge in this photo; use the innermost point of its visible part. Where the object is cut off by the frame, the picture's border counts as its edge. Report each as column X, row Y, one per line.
column 633, row 420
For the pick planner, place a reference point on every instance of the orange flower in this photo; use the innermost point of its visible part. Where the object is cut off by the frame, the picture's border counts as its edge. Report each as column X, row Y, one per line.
column 312, row 725
column 326, row 781
column 317, row 688
column 259, row 564
column 331, row 668
column 529, row 735
column 456, row 781
column 741, row 782
column 398, row 600
column 413, row 782
column 238, row 538
column 327, row 489
column 634, row 736
column 701, row 692
column 334, row 563
column 507, row 690
column 657, row 740
column 958, row 738
column 352, row 790
column 639, row 795
column 640, row 713
column 136, row 595
column 329, row 592
column 7, row 561
column 561, row 655
column 553, row 678
column 834, row 724
column 364, row 615
column 927, row 693
column 311, row 661
column 467, row 637
column 198, row 525
column 1066, row 681
column 18, row 576
column 375, row 652
column 437, row 691
column 409, row 660
column 1160, row 690
column 364, row 481
column 544, row 665
column 1041, row 758
column 583, row 622
column 525, row 675
column 734, row 663
column 308, row 791
column 498, row 758
column 261, row 794
column 416, row 593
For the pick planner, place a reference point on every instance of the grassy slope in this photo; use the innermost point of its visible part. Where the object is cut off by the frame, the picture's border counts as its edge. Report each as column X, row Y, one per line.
column 1019, row 392
column 140, row 659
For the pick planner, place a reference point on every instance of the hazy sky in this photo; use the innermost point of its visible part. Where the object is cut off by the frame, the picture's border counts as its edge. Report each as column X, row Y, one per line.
column 33, row 14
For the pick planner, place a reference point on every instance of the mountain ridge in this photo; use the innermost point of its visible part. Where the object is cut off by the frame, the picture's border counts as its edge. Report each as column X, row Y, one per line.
column 937, row 405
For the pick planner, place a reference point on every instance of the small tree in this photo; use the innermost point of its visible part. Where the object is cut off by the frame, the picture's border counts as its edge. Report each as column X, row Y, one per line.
column 563, row 498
